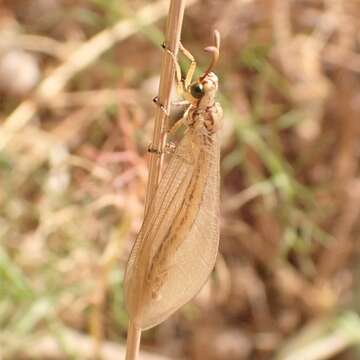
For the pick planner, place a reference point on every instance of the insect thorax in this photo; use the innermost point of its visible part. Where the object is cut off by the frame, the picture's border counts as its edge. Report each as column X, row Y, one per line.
column 209, row 118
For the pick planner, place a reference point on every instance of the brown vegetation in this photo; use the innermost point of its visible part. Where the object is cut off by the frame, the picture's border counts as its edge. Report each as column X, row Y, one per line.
column 76, row 82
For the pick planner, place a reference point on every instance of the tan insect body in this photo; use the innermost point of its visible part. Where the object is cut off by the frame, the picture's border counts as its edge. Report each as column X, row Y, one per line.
column 177, row 245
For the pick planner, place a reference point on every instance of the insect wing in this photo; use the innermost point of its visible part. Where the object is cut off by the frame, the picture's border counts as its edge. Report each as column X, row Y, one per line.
column 193, row 260
column 162, row 210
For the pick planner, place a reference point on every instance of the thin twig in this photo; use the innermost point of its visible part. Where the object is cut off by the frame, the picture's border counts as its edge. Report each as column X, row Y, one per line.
column 172, row 38
column 36, row 43
column 133, row 342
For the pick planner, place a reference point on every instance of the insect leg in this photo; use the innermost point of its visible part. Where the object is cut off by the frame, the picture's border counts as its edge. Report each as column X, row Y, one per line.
column 161, row 106
column 152, row 150
column 192, row 66
column 180, row 85
column 181, row 103
column 174, row 128
column 169, row 146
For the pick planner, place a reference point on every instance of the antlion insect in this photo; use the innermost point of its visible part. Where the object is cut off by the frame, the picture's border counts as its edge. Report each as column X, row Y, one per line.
column 176, row 248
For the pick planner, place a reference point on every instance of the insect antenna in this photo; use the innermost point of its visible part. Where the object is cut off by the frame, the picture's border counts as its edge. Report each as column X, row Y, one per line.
column 215, row 51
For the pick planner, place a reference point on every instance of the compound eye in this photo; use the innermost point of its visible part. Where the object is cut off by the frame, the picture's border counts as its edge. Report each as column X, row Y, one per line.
column 197, row 90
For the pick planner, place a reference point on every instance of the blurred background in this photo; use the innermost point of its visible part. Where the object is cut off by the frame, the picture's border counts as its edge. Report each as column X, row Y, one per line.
column 76, row 82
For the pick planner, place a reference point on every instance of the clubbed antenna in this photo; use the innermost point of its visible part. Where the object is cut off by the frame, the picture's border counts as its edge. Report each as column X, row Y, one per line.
column 215, row 50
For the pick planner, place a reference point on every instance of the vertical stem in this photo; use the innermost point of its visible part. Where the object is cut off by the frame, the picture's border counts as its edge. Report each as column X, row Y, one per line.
column 172, row 38
column 133, row 342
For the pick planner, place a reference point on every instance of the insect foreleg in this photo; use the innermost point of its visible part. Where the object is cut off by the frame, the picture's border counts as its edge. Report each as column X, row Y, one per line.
column 192, row 67
column 174, row 128
column 180, row 85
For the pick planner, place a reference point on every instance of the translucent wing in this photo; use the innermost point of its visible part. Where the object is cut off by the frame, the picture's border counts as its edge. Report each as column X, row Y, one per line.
column 169, row 256
column 156, row 223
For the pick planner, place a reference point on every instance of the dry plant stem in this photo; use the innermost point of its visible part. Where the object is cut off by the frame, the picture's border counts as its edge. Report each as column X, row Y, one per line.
column 133, row 342
column 84, row 56
column 36, row 43
column 172, row 38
